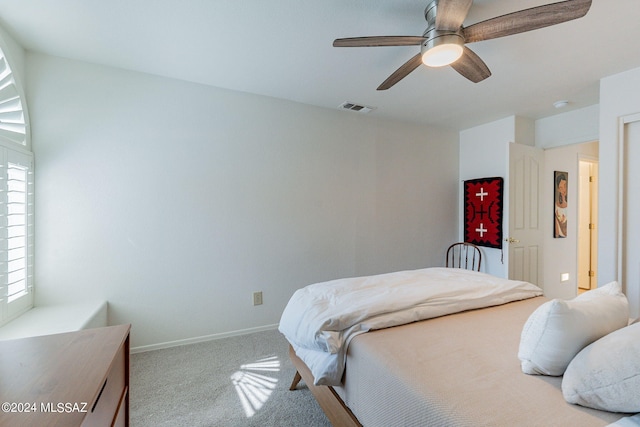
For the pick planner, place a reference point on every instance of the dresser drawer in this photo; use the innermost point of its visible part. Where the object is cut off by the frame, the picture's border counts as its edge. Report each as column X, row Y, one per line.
column 104, row 409
column 122, row 417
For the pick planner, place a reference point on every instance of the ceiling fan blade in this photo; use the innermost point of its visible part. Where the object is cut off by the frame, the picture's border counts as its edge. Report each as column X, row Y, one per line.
column 471, row 66
column 451, row 14
column 526, row 20
column 402, row 72
column 378, row 41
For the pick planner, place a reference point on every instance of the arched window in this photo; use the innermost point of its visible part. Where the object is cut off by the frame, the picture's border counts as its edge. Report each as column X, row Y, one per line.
column 16, row 199
column 13, row 123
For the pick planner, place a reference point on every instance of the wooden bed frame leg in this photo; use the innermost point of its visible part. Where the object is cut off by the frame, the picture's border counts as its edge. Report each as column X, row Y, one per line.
column 296, row 380
column 334, row 408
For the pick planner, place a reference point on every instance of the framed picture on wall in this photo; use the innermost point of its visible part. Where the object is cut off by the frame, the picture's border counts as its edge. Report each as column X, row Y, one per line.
column 560, row 186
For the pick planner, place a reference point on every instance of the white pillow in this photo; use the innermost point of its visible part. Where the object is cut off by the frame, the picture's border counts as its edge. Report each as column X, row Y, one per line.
column 606, row 374
column 557, row 330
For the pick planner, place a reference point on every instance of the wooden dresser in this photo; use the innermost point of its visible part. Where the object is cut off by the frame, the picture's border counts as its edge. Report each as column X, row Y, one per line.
column 67, row 380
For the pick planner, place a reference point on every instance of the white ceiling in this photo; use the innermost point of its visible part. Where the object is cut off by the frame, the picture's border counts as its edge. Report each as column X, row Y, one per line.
column 283, row 49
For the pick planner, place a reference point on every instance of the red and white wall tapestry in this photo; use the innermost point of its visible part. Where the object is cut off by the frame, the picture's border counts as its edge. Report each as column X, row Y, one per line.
column 483, row 202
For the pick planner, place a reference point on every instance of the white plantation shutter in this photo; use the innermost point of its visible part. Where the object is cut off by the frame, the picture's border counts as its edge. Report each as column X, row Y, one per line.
column 16, row 233
column 13, row 123
column 16, row 199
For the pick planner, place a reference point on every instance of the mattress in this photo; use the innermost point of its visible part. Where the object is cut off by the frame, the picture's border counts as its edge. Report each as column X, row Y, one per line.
column 456, row 370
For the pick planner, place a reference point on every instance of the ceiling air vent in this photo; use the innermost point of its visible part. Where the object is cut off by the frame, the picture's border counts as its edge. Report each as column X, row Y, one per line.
column 355, row 107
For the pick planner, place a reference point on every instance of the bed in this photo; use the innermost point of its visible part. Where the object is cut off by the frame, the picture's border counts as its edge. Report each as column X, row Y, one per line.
column 454, row 369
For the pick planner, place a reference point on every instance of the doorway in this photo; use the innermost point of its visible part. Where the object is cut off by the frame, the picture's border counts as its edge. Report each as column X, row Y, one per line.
column 587, row 224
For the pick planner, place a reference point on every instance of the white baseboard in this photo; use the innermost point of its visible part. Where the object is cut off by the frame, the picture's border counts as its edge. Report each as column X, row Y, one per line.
column 205, row 338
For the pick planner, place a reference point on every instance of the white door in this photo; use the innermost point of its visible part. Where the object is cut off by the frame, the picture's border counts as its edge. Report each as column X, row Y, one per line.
column 525, row 237
column 587, row 224
column 630, row 232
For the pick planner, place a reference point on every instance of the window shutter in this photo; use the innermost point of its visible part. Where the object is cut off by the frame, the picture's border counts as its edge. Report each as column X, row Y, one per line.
column 13, row 126
column 16, row 237
column 16, row 199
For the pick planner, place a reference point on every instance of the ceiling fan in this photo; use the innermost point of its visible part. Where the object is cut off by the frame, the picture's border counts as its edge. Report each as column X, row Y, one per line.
column 443, row 42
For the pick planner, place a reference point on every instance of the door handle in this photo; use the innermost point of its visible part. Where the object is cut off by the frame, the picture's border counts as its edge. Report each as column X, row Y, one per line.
column 511, row 240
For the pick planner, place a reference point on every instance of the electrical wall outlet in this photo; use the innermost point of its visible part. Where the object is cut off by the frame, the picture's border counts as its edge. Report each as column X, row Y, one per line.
column 257, row 298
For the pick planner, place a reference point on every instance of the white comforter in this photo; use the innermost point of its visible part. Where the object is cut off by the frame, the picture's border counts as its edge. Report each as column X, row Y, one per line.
column 321, row 319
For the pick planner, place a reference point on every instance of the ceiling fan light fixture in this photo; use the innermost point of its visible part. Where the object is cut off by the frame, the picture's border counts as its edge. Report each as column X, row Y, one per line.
column 442, row 50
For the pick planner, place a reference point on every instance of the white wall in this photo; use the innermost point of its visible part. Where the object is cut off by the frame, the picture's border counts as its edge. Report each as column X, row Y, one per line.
column 619, row 97
column 565, row 137
column 561, row 255
column 572, row 127
column 484, row 152
column 175, row 201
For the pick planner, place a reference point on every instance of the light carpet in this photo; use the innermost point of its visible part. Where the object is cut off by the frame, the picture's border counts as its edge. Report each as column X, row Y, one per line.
column 237, row 381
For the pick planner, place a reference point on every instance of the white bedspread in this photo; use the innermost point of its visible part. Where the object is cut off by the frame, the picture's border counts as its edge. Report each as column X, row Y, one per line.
column 633, row 421
column 321, row 319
